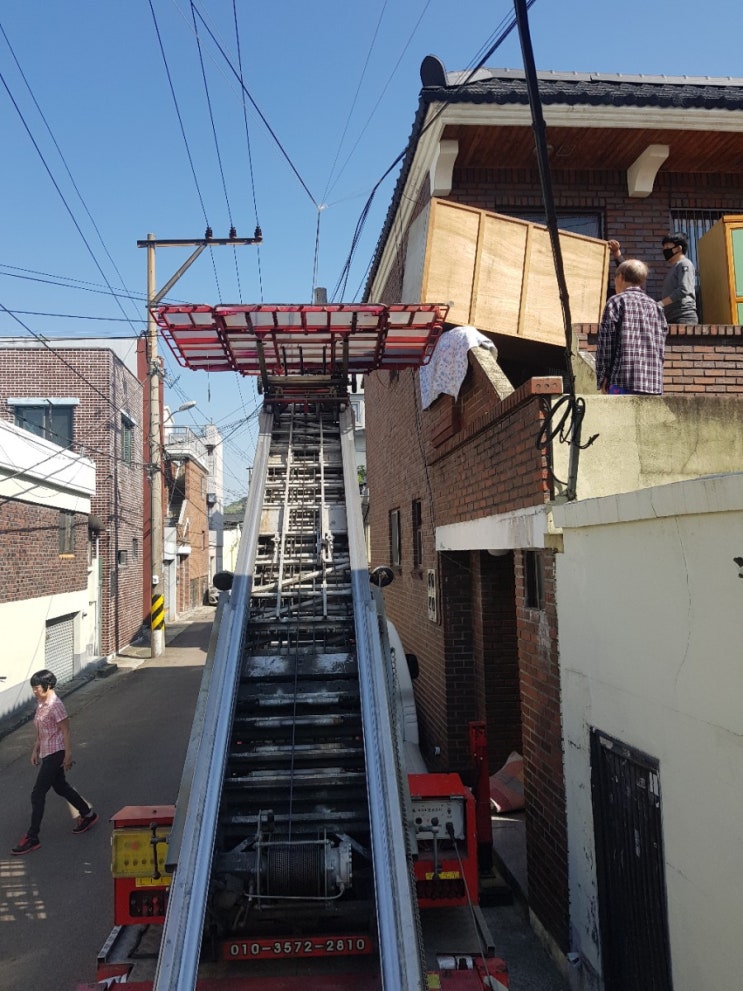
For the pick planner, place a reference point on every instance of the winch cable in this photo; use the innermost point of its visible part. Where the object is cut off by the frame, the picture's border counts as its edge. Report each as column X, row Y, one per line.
column 483, row 953
column 575, row 405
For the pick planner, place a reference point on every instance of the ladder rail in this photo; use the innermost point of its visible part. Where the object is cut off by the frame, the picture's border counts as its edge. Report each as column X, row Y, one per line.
column 397, row 912
column 178, row 961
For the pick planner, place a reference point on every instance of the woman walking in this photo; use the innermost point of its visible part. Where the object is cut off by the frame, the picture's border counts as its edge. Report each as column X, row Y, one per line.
column 52, row 754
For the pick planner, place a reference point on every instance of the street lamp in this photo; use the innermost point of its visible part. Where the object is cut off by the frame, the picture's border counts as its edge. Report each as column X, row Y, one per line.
column 181, row 409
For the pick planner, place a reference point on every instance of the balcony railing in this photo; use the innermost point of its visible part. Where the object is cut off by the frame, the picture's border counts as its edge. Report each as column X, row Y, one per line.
column 182, row 441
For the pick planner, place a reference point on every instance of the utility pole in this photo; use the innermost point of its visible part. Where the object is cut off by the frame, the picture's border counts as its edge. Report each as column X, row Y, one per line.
column 157, row 613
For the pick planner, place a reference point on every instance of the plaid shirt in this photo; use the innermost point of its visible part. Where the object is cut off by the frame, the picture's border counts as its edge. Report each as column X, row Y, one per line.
column 47, row 718
column 632, row 341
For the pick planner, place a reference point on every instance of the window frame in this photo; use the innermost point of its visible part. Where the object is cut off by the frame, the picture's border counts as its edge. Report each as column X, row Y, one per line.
column 395, row 525
column 127, row 439
column 533, row 579
column 48, row 425
column 66, row 533
column 416, row 518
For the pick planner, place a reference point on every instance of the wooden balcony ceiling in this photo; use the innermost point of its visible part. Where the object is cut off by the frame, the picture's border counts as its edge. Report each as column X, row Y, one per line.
column 596, row 148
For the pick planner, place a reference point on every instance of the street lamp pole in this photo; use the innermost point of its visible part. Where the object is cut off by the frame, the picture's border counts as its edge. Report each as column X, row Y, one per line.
column 157, row 614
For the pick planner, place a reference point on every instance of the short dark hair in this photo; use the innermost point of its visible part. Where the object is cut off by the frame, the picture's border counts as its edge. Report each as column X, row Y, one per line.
column 47, row 679
column 679, row 238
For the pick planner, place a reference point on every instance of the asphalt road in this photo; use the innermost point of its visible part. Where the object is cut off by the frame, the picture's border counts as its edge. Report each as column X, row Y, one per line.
column 130, row 733
column 129, row 737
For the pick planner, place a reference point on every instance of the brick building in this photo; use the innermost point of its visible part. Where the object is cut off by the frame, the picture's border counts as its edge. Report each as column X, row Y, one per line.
column 88, row 396
column 187, row 552
column 462, row 491
column 48, row 560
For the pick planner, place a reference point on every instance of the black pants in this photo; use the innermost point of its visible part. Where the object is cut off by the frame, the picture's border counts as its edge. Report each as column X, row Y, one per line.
column 51, row 775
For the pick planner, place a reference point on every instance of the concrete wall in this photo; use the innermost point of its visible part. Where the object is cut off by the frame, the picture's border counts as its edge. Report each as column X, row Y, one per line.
column 650, row 618
column 652, row 440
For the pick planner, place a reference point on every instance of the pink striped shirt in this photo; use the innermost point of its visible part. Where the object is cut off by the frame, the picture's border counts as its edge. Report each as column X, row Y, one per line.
column 47, row 718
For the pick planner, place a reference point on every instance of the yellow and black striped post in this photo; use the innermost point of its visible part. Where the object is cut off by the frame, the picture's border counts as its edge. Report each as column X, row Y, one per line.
column 157, row 613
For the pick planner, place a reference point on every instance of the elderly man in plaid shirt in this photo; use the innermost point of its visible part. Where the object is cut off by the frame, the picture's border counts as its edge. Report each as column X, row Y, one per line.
column 632, row 337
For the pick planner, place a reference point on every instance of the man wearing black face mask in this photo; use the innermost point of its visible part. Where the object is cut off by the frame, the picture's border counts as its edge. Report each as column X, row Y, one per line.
column 679, row 300
column 679, row 293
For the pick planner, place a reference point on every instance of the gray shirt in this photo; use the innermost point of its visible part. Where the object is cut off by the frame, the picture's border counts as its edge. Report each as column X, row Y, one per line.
column 679, row 286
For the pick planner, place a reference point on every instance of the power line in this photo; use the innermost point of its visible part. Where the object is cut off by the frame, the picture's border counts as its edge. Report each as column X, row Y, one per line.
column 178, row 112
column 355, row 98
column 257, row 109
column 505, row 27
column 57, row 354
column 74, row 316
column 57, row 187
column 216, row 146
column 247, row 139
column 379, row 98
column 62, row 157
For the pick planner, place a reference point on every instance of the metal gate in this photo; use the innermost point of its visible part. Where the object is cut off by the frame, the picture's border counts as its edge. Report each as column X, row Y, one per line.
column 59, row 654
column 630, row 867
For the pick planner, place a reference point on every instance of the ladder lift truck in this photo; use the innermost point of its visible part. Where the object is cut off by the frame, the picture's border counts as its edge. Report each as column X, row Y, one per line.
column 309, row 847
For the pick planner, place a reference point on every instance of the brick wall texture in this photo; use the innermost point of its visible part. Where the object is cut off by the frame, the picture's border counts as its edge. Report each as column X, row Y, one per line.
column 699, row 358
column 192, row 575
column 29, row 552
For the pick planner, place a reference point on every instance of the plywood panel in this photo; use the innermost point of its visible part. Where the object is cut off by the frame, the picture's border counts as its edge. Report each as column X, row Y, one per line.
column 499, row 275
column 586, row 264
column 451, row 256
column 541, row 314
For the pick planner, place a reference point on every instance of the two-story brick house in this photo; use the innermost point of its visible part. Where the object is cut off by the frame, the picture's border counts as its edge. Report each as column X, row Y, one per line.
column 462, row 490
column 87, row 396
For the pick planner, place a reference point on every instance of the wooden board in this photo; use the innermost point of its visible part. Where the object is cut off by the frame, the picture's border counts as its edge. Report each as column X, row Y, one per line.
column 451, row 253
column 497, row 273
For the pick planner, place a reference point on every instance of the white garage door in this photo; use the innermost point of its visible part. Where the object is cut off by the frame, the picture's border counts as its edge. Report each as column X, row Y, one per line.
column 60, row 647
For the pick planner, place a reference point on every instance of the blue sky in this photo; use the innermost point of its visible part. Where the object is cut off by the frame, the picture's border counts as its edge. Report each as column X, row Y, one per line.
column 338, row 84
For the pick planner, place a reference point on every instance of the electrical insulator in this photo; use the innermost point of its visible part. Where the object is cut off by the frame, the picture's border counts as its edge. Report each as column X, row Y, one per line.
column 258, row 234
column 233, row 233
column 209, row 233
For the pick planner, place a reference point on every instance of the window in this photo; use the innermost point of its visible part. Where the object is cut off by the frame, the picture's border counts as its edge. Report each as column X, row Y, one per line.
column 66, row 532
column 395, row 539
column 127, row 437
column 534, row 580
column 122, row 558
column 135, row 549
column 417, row 525
column 695, row 223
column 47, row 419
column 588, row 223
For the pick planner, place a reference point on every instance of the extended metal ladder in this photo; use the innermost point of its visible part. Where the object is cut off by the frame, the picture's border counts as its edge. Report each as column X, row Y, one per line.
column 296, row 750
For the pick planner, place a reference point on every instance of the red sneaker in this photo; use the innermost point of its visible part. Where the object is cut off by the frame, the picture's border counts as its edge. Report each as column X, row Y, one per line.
column 85, row 822
column 27, row 845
